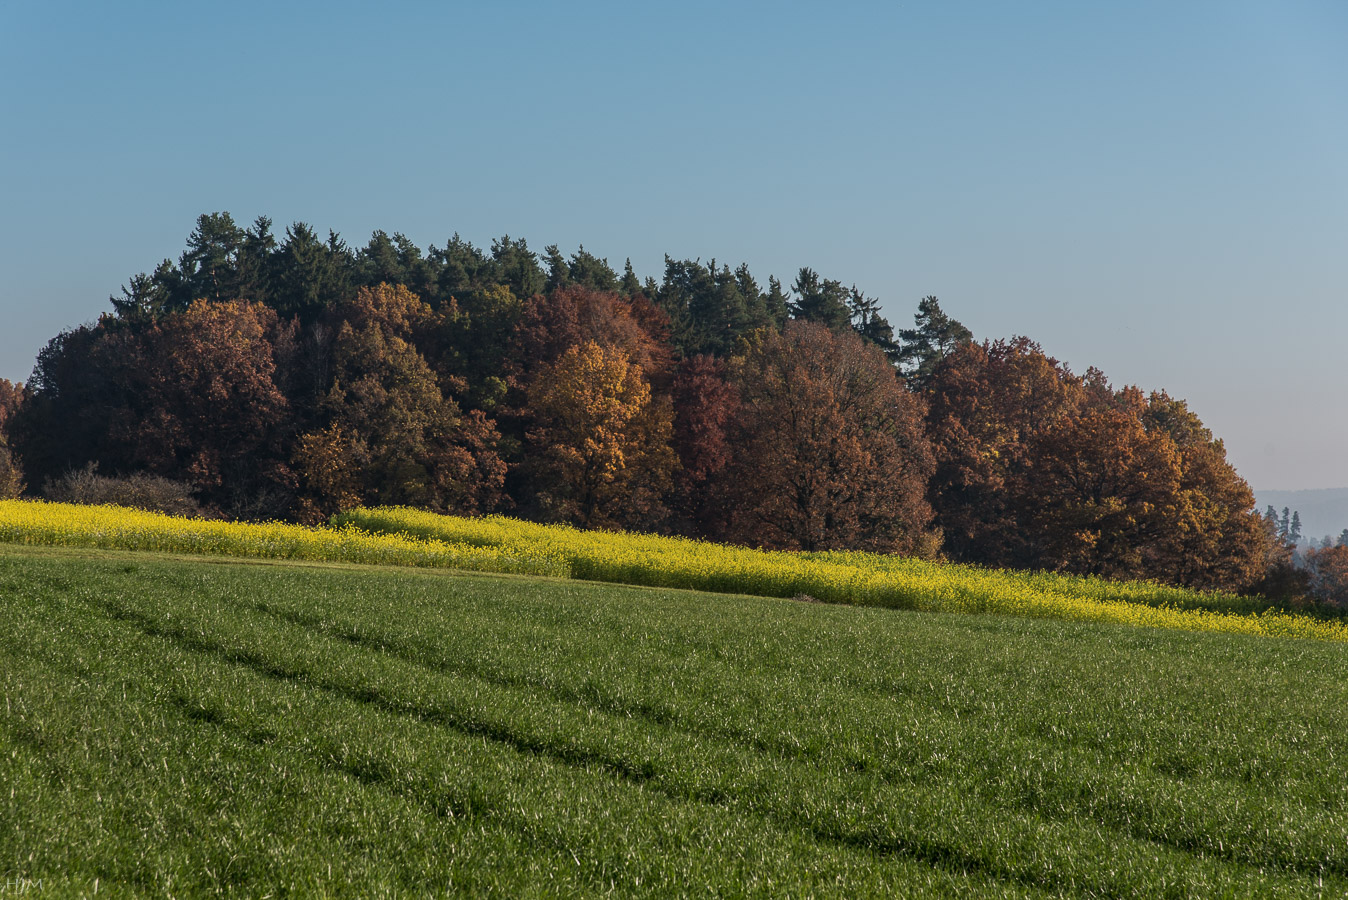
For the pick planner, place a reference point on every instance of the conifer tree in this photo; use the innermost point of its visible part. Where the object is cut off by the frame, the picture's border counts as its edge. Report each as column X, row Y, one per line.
column 933, row 337
column 820, row 300
column 630, row 284
column 559, row 273
column 777, row 303
column 516, row 266
column 309, row 275
column 590, row 271
column 868, row 322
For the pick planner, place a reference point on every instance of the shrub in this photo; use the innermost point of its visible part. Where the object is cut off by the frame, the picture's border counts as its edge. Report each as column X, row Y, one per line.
column 140, row 490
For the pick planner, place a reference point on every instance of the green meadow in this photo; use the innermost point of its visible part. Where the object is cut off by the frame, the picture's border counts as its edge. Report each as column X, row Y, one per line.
column 187, row 727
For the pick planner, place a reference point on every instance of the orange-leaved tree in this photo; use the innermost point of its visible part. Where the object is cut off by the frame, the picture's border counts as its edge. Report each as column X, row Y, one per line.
column 1101, row 493
column 598, row 446
column 552, row 324
column 829, row 449
column 1216, row 538
column 986, row 403
column 1041, row 468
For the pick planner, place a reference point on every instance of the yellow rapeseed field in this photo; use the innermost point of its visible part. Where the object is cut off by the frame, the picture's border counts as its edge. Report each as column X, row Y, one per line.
column 119, row 528
column 406, row 537
column 858, row 578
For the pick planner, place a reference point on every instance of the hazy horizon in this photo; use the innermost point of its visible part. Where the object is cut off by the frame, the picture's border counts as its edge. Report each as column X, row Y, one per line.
column 1156, row 191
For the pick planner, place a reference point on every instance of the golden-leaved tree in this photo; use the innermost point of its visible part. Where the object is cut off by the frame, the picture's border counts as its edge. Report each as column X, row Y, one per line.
column 598, row 445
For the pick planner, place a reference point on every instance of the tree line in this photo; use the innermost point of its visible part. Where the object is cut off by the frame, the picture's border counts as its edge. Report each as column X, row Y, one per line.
column 292, row 376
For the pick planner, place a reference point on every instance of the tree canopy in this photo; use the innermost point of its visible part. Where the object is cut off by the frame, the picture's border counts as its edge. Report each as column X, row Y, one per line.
column 294, row 375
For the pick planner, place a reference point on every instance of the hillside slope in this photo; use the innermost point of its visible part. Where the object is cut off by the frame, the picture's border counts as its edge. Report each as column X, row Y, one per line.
column 186, row 727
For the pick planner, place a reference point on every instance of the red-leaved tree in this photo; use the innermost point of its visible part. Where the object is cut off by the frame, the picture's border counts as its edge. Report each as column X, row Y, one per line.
column 706, row 407
column 209, row 411
column 829, row 449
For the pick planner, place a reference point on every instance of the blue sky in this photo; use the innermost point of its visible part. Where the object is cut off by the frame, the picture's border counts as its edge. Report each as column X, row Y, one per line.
column 1156, row 189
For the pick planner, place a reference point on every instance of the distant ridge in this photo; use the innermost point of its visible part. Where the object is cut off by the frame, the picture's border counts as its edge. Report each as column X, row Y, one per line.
column 1323, row 511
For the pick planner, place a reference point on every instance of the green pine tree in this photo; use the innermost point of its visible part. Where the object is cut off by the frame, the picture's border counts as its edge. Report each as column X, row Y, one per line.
column 820, row 300
column 933, row 338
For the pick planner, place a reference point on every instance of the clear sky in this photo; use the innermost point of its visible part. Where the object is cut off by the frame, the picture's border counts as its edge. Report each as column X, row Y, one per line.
column 1158, row 189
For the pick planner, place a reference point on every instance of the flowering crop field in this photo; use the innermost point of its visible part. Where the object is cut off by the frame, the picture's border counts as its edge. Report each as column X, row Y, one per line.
column 174, row 729
column 398, row 536
column 857, row 578
column 120, row 528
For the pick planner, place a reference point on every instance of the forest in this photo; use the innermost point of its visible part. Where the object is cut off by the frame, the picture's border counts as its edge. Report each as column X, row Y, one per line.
column 291, row 377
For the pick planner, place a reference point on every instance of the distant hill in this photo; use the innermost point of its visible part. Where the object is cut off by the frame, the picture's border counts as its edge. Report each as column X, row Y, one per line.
column 1323, row 512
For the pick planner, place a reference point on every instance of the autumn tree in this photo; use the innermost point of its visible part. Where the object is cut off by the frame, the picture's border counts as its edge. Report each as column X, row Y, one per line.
column 12, row 482
column 330, row 463
column 189, row 396
column 599, row 442
column 385, row 432
column 1101, row 495
column 706, row 407
column 986, row 404
column 1041, row 468
column 1216, row 538
column 1328, row 570
column 551, row 324
column 829, row 451
column 11, row 398
column 207, row 407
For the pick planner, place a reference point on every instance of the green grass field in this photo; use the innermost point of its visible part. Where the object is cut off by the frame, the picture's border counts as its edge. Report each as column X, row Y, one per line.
column 188, row 727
